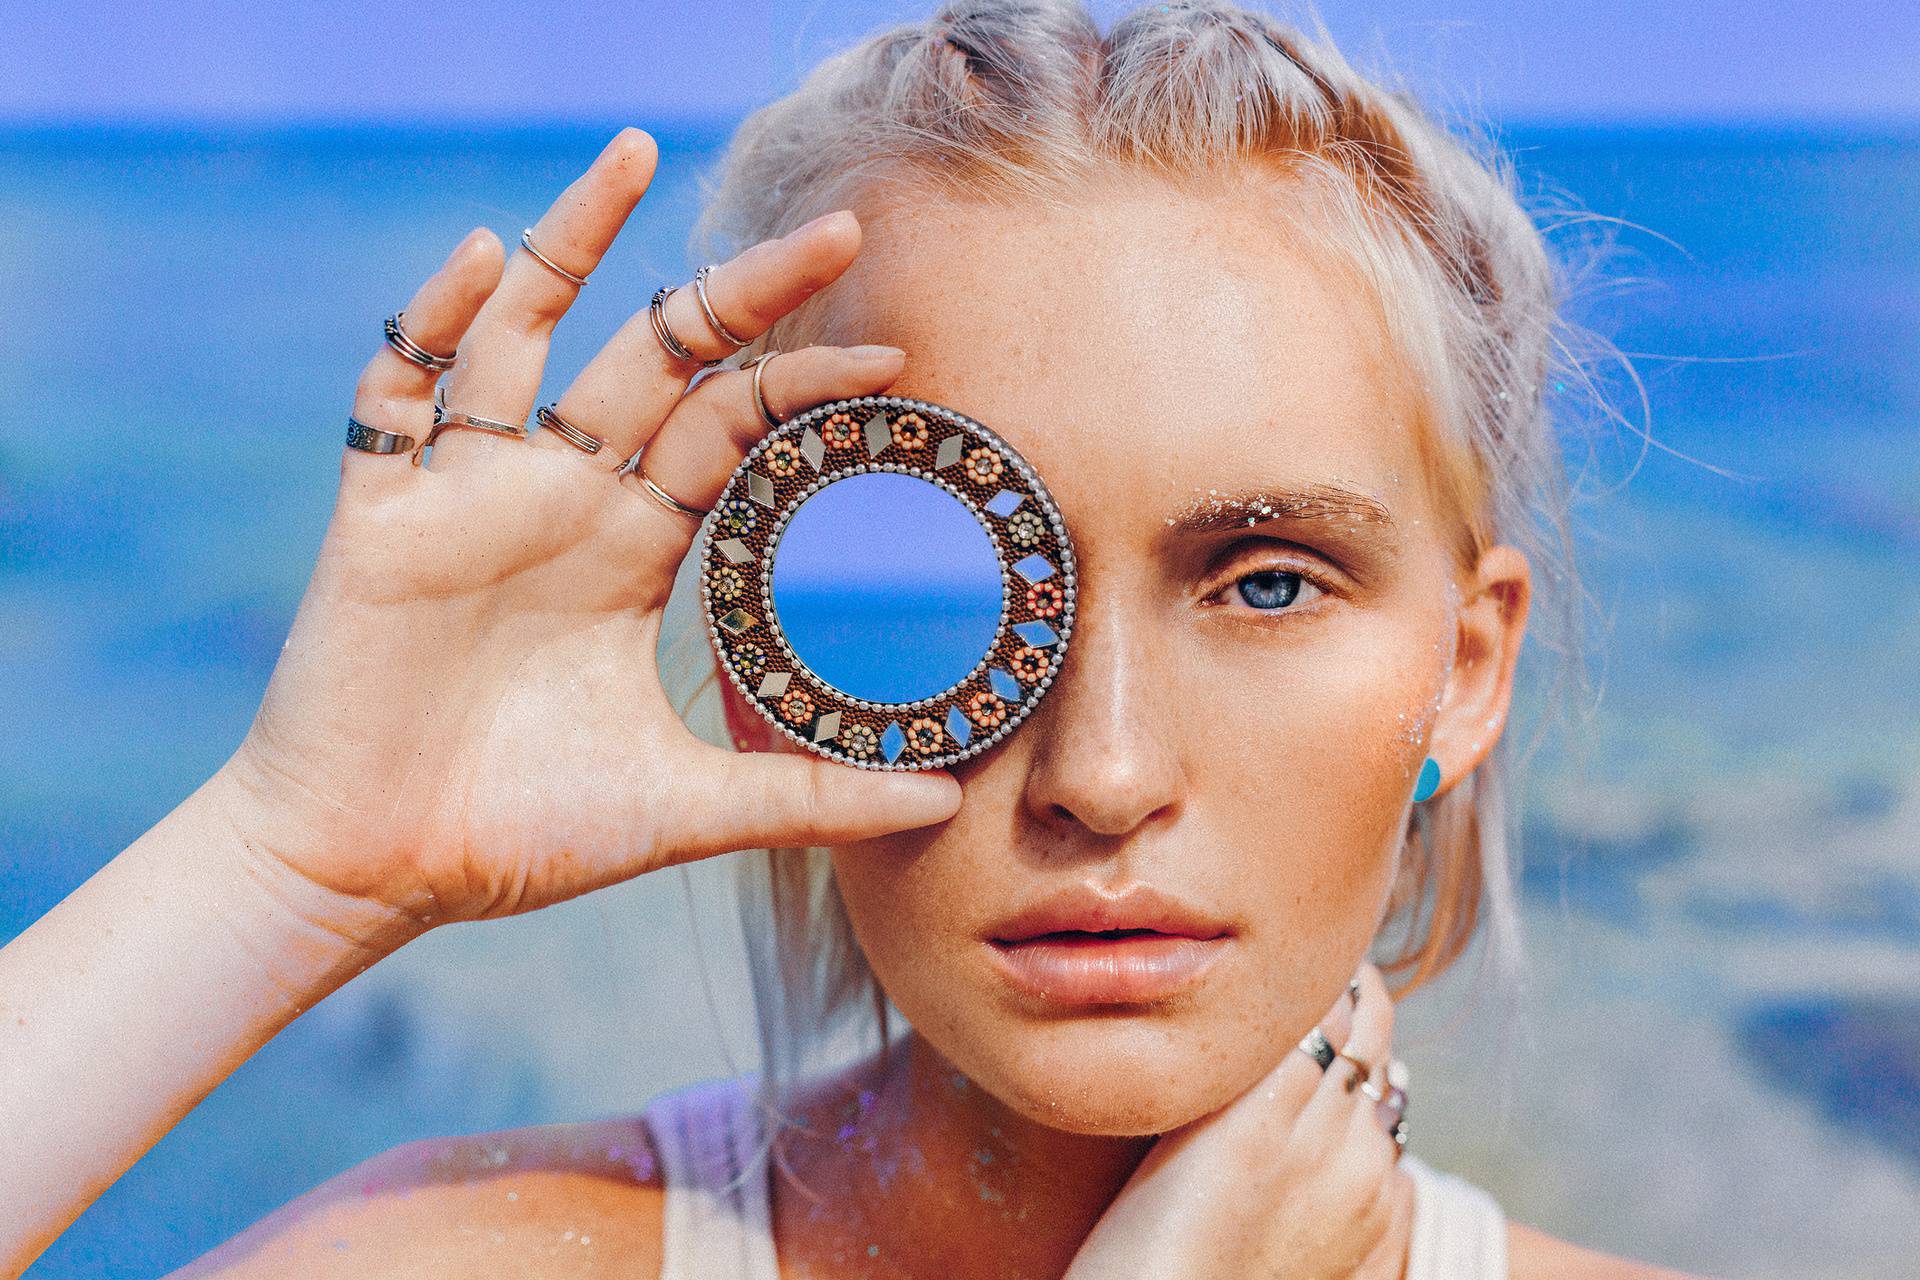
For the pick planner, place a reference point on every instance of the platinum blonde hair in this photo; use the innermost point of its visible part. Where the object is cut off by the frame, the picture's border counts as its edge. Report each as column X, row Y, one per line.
column 1026, row 101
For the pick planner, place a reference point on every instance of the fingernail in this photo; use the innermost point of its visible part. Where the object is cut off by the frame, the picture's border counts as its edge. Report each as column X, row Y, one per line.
column 799, row 231
column 874, row 351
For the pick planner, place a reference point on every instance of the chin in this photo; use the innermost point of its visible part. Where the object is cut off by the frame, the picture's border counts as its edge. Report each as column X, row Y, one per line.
column 1121, row 1072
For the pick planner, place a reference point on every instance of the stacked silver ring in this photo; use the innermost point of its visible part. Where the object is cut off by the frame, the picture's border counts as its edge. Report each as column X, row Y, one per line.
column 409, row 349
column 549, row 418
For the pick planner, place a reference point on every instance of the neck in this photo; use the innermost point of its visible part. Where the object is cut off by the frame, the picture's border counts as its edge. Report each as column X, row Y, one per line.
column 914, row 1169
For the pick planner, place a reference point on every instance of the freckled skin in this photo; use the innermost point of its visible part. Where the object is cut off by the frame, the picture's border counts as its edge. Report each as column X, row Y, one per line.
column 1140, row 348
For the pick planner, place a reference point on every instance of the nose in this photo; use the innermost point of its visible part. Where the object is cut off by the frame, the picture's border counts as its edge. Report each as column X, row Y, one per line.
column 1105, row 753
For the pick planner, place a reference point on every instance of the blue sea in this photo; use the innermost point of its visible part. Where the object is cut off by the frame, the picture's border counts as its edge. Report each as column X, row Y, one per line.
column 1724, row 898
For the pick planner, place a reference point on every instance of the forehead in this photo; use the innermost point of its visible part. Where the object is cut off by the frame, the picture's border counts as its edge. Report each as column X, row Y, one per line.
column 1145, row 339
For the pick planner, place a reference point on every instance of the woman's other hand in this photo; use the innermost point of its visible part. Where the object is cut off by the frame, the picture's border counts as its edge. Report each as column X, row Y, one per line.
column 467, row 720
column 1296, row 1177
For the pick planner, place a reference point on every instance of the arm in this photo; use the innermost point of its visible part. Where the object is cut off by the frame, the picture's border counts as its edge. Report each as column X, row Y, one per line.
column 107, row 1038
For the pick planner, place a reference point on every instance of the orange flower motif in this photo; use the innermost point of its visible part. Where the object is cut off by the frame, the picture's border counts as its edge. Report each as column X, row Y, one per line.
column 986, row 710
column 859, row 741
column 984, row 465
column 1029, row 664
column 910, row 431
column 1046, row 599
column 839, row 430
column 783, row 458
column 796, row 707
column 924, row 735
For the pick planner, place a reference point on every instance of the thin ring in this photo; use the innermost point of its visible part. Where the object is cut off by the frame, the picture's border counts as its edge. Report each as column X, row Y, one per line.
column 759, row 396
column 548, row 417
column 1365, row 1068
column 445, row 418
column 657, row 312
column 373, row 440
column 664, row 498
column 700, row 292
column 398, row 339
column 1316, row 1046
column 526, row 242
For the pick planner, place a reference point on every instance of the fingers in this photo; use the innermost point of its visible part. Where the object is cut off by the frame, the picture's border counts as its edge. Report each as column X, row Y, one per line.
column 767, row 799
column 704, row 439
column 395, row 394
column 1342, row 1116
column 501, row 361
column 633, row 384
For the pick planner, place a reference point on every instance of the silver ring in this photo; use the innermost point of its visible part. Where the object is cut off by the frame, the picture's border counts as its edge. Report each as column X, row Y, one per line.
column 526, row 242
column 410, row 350
column 1316, row 1046
column 548, row 417
column 657, row 312
column 759, row 397
column 700, row 292
column 664, row 498
column 373, row 440
column 444, row 418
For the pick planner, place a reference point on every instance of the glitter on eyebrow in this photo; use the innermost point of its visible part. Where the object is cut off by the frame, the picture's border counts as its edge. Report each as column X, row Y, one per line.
column 1328, row 502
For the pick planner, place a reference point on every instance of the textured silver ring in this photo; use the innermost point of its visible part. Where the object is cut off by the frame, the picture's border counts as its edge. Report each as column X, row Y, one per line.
column 526, row 242
column 408, row 349
column 373, row 440
column 700, row 292
column 549, row 418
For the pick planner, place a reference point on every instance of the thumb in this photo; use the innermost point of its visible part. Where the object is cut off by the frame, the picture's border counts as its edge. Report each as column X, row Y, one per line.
column 764, row 799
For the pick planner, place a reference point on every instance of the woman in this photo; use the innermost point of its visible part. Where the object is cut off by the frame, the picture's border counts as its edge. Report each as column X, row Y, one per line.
column 1276, row 343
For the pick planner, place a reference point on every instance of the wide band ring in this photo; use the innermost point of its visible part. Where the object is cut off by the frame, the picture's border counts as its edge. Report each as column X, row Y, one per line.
column 700, row 292
column 756, row 364
column 373, row 440
column 664, row 498
column 657, row 313
column 549, row 418
column 526, row 242
column 1316, row 1046
column 410, row 350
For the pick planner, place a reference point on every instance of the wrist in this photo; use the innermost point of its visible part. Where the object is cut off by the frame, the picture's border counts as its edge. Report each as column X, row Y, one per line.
column 244, row 831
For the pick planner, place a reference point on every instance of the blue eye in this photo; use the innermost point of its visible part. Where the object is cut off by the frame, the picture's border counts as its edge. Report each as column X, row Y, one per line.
column 1275, row 590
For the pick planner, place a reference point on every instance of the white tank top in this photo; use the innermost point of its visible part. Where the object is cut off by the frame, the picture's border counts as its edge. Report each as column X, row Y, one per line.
column 718, row 1224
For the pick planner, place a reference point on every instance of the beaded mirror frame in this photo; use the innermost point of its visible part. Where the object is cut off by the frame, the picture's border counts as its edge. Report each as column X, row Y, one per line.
column 945, row 447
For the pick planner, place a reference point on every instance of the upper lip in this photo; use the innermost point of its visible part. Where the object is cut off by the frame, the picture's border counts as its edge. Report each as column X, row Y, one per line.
column 1085, row 908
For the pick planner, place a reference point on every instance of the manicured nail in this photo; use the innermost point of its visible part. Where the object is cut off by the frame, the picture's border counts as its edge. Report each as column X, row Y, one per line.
column 874, row 351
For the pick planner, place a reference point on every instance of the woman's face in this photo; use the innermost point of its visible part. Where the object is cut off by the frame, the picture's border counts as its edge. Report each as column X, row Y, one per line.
column 1220, row 731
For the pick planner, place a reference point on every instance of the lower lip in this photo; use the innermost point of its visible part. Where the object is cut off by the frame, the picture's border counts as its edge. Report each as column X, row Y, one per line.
column 1096, row 970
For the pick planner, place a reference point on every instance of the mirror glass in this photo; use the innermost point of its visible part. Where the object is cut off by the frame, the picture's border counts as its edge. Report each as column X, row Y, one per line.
column 887, row 586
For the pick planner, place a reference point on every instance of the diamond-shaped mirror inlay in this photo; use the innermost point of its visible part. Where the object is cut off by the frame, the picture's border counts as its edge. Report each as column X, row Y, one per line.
column 775, row 684
column 760, row 489
column 738, row 620
column 949, row 452
column 812, row 447
column 1003, row 684
column 1037, row 634
column 958, row 727
column 1035, row 568
column 734, row 550
column 1004, row 503
column 893, row 740
column 828, row 726
column 879, row 435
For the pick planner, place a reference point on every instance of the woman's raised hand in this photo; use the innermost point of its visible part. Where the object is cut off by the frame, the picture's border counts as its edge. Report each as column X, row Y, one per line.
column 1296, row 1177
column 467, row 720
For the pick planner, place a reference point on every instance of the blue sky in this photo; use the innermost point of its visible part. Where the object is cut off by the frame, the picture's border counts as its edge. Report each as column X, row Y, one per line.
column 590, row 59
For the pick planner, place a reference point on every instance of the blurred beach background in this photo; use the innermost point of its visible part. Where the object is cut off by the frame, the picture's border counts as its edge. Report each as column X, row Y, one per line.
column 1722, row 1061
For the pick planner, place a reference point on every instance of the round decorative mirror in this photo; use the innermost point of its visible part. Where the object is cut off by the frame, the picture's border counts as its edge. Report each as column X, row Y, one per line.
column 888, row 582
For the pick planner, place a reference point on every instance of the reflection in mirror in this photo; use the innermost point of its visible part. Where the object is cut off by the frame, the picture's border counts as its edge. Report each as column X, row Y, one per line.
column 887, row 586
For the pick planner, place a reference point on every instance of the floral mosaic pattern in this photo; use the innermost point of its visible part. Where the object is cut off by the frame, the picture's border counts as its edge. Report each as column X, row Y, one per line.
column 783, row 458
column 987, row 710
column 984, row 465
column 738, row 517
column 1025, row 528
column 860, row 742
column 910, row 431
column 839, row 431
column 1046, row 599
column 924, row 735
column 796, row 707
column 1028, row 664
column 729, row 583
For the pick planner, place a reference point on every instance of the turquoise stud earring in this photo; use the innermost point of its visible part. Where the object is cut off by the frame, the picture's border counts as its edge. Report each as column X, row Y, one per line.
column 1429, row 780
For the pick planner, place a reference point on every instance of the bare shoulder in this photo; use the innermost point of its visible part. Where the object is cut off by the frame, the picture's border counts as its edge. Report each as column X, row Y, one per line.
column 574, row 1199
column 1535, row 1255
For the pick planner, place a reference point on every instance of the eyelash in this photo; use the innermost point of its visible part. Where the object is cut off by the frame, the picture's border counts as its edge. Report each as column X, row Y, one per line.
column 1320, row 581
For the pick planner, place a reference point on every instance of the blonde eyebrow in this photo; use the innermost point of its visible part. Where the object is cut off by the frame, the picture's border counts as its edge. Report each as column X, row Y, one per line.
column 1334, row 504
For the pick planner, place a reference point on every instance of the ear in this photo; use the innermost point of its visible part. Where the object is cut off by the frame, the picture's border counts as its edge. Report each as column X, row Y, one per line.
column 746, row 728
column 1479, row 691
